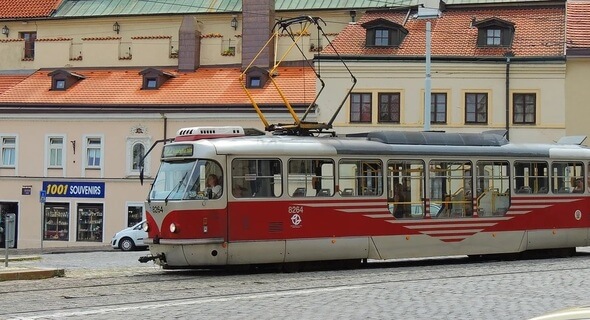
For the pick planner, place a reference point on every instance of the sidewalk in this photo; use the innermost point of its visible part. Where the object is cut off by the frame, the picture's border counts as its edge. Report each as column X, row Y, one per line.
column 28, row 273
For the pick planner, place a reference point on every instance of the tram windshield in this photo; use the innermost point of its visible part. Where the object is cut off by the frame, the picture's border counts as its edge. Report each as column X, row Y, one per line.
column 187, row 180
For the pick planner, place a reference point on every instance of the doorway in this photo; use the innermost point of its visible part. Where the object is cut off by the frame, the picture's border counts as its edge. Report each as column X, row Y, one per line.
column 8, row 207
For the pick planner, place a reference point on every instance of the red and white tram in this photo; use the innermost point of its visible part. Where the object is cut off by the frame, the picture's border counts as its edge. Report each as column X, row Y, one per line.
column 382, row 195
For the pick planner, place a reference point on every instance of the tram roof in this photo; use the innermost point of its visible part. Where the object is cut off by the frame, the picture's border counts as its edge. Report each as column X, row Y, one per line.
column 458, row 145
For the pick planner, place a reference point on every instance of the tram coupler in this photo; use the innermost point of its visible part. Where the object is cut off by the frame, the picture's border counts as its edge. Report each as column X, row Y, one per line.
column 152, row 257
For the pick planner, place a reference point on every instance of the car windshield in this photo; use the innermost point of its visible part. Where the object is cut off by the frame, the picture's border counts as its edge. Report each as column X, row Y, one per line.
column 185, row 179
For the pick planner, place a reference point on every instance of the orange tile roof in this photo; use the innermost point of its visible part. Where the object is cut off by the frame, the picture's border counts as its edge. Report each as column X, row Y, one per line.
column 578, row 24
column 8, row 81
column 15, row 9
column 539, row 31
column 120, row 87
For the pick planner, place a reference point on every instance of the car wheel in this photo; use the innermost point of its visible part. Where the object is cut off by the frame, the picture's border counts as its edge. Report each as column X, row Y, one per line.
column 126, row 244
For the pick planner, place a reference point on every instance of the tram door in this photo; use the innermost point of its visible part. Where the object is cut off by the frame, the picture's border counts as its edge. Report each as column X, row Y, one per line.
column 7, row 207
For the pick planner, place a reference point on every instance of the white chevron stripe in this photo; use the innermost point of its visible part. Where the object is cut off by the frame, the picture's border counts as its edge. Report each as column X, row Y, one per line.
column 530, row 206
column 518, row 211
column 434, row 232
column 365, row 210
column 446, row 226
column 381, row 204
column 379, row 216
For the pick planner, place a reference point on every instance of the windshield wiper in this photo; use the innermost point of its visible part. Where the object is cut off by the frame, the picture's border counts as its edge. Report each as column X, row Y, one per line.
column 176, row 187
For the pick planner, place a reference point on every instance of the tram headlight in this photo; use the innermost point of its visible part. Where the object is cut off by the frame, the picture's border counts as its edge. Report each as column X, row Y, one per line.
column 145, row 227
column 173, row 228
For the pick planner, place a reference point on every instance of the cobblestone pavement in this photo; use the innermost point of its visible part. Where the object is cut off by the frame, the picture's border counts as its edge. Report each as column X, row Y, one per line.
column 113, row 285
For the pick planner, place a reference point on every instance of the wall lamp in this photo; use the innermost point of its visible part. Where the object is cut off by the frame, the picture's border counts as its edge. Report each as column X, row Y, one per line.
column 352, row 15
column 116, row 27
column 234, row 23
column 5, row 31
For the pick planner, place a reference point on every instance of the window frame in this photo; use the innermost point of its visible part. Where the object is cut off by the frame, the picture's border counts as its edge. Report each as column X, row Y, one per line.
column 475, row 112
column 60, row 149
column 389, row 113
column 361, row 104
column 8, row 146
column 524, row 104
column 29, row 38
column 88, row 146
column 435, row 107
column 131, row 142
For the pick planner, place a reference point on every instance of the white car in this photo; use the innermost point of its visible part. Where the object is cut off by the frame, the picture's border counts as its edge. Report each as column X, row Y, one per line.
column 130, row 238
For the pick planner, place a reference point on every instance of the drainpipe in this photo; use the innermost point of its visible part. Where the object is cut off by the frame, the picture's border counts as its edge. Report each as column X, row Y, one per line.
column 165, row 125
column 508, row 55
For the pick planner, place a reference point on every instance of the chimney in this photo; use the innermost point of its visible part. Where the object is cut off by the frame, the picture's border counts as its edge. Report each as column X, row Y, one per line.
column 258, row 19
column 189, row 45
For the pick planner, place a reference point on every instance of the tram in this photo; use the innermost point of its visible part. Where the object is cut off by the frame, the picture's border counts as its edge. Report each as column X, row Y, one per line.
column 380, row 195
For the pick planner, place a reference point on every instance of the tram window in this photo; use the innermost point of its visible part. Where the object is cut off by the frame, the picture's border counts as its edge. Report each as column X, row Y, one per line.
column 257, row 178
column 405, row 188
column 567, row 177
column 451, row 186
column 531, row 177
column 178, row 180
column 492, row 188
column 360, row 177
column 310, row 177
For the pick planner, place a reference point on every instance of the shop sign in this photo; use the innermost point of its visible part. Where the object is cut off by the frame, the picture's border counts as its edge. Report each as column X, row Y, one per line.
column 74, row 189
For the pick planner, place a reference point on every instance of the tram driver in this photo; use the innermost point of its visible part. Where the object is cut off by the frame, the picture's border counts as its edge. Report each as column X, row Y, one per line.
column 213, row 186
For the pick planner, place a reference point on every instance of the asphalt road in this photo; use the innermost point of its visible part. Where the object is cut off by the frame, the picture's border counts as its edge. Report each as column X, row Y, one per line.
column 113, row 285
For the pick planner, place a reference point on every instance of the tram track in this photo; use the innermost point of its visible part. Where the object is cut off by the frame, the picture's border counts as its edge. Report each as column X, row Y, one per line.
column 184, row 288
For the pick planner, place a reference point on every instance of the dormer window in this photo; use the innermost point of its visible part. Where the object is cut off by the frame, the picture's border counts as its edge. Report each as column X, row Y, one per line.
column 153, row 78
column 151, row 83
column 60, row 84
column 256, row 77
column 62, row 80
column 384, row 33
column 494, row 32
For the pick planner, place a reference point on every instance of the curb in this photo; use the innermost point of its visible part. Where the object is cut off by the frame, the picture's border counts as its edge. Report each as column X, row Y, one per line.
column 30, row 274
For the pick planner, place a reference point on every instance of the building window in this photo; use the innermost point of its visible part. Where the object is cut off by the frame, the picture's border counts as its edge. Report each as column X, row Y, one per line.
column 389, row 107
column 438, row 108
column 255, row 82
column 360, row 107
column 56, row 152
column 8, row 151
column 93, row 152
column 134, row 214
column 476, row 108
column 29, row 38
column 494, row 32
column 151, row 83
column 56, row 220
column 524, row 108
column 138, row 153
column 90, row 222
column 493, row 37
column 60, row 84
column 384, row 33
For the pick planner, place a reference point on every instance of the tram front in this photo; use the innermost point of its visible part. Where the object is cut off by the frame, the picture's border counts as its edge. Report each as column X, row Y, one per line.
column 186, row 209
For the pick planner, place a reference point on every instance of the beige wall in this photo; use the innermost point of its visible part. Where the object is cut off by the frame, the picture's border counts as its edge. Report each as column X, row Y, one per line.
column 546, row 80
column 577, row 98
column 142, row 41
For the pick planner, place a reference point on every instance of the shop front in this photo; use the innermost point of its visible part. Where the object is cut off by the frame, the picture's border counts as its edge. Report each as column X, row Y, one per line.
column 73, row 211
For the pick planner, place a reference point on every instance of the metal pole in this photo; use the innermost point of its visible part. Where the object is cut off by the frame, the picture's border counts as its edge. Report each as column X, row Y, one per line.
column 427, row 85
column 5, row 241
column 42, row 223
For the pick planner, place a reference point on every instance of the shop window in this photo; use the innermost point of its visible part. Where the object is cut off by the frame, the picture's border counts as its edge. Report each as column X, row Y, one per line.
column 90, row 222
column 56, row 221
column 134, row 214
column 311, row 177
